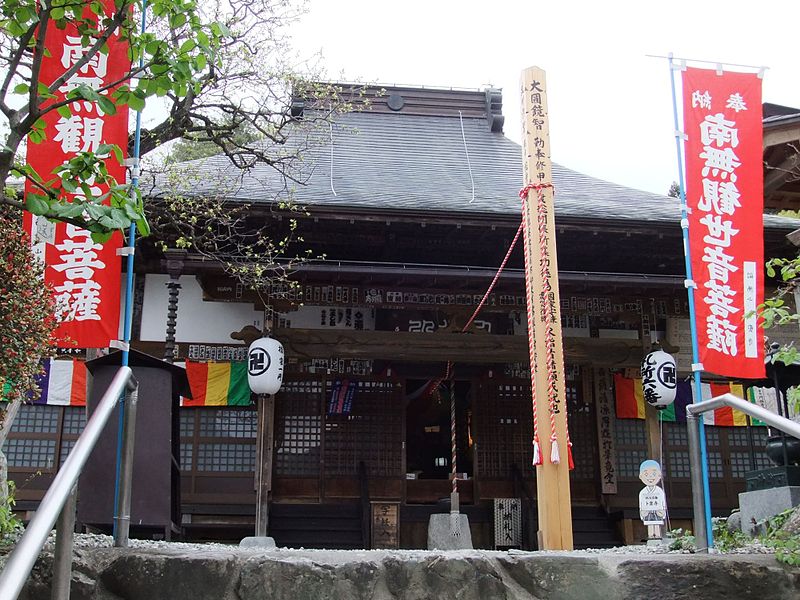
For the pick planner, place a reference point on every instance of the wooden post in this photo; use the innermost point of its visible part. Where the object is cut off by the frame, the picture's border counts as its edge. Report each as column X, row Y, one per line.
column 266, row 432
column 653, row 427
column 544, row 315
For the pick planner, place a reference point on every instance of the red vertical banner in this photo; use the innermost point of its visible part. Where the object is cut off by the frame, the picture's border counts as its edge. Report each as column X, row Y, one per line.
column 724, row 193
column 85, row 275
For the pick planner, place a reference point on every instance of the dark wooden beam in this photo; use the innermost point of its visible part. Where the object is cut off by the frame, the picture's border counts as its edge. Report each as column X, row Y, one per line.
column 442, row 347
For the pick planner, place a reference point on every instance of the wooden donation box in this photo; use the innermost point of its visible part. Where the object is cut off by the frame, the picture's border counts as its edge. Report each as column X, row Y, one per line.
column 155, row 494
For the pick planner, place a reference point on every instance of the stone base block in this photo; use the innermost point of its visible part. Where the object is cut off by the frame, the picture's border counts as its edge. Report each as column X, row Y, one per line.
column 759, row 505
column 257, row 543
column 441, row 535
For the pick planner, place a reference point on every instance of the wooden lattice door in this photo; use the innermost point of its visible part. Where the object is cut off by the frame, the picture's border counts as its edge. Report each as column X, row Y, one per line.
column 325, row 425
column 503, row 429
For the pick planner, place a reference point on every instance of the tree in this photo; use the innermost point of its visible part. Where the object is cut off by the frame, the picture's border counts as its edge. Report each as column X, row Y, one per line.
column 224, row 78
column 216, row 65
column 674, row 190
column 27, row 324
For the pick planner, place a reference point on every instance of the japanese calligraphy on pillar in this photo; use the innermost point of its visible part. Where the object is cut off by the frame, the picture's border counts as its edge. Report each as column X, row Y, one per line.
column 604, row 412
column 551, row 436
column 85, row 275
column 540, row 239
column 724, row 192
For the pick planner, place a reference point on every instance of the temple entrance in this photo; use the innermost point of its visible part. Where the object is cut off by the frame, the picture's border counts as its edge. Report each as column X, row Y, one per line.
column 428, row 444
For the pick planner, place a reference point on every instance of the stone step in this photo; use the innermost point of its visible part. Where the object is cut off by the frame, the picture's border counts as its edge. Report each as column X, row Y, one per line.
column 182, row 572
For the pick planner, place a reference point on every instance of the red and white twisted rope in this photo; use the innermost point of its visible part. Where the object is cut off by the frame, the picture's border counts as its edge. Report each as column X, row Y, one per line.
column 496, row 277
column 463, row 330
column 537, row 454
column 548, row 310
column 453, row 467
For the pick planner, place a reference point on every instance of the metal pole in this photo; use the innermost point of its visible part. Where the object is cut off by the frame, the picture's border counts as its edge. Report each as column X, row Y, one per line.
column 62, row 560
column 700, row 525
column 122, row 520
column 696, row 368
column 19, row 564
column 128, row 322
column 266, row 411
column 748, row 408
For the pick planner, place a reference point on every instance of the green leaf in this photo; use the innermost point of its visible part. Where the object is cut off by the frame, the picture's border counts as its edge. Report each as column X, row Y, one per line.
column 95, row 211
column 69, row 185
column 120, row 218
column 70, row 210
column 107, row 106
column 37, row 136
column 143, row 226
column 23, row 14
column 37, row 205
column 130, row 210
column 135, row 102
column 101, row 237
column 152, row 47
column 64, row 111
column 87, row 93
column 14, row 28
column 177, row 20
column 22, row 88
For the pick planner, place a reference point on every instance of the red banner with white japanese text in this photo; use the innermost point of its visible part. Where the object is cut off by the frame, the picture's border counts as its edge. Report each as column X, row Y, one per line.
column 85, row 276
column 724, row 193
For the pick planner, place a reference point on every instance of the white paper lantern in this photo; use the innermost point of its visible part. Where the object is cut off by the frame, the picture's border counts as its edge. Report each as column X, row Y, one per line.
column 659, row 379
column 265, row 366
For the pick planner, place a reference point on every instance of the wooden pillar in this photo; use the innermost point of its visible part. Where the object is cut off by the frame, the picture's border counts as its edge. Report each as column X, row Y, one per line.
column 266, row 432
column 544, row 316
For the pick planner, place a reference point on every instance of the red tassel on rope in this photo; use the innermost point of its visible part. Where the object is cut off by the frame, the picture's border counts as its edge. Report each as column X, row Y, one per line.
column 569, row 456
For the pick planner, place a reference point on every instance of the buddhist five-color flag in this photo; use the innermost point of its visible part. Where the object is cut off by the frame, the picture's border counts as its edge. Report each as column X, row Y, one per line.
column 631, row 405
column 217, row 384
column 629, row 397
column 63, row 383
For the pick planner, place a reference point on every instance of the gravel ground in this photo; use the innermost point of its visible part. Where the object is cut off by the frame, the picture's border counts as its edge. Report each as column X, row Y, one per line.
column 87, row 540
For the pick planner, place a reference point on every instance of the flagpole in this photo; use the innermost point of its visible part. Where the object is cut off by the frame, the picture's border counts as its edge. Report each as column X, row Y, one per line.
column 128, row 315
column 690, row 285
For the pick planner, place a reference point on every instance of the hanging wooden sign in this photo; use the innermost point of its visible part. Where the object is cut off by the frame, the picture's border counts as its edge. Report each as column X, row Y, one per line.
column 606, row 439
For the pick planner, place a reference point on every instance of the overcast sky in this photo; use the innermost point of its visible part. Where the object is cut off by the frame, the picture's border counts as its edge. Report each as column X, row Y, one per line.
column 610, row 105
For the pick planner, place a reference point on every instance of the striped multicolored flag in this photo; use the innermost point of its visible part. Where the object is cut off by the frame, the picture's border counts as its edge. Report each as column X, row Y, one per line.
column 676, row 412
column 62, row 383
column 629, row 397
column 217, row 384
column 631, row 405
column 725, row 415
